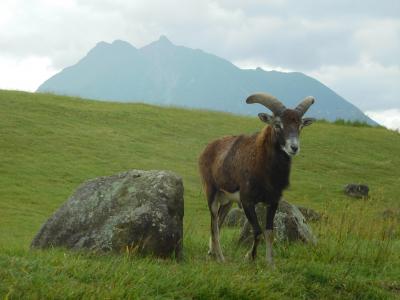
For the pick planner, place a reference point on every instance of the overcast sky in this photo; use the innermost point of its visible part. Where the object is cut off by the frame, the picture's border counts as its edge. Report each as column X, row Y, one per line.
column 351, row 46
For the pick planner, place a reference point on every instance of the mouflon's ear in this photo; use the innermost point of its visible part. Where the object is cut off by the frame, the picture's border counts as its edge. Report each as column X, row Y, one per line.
column 266, row 118
column 307, row 121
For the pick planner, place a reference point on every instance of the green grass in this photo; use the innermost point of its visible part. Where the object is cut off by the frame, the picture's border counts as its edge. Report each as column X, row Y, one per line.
column 50, row 144
column 350, row 123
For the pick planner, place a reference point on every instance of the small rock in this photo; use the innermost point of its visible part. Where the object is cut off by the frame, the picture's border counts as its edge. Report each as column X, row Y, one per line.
column 289, row 224
column 356, row 190
column 309, row 214
column 235, row 218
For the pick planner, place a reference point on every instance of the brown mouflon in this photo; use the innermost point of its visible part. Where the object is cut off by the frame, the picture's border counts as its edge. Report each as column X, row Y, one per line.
column 252, row 169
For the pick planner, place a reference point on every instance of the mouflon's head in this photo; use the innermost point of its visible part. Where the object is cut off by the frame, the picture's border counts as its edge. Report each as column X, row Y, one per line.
column 287, row 123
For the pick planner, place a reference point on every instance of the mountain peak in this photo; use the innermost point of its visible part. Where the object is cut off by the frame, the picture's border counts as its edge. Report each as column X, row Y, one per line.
column 122, row 44
column 164, row 40
column 117, row 44
column 102, row 44
column 162, row 44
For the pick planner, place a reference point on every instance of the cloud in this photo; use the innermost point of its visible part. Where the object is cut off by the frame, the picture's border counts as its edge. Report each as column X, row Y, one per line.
column 389, row 118
column 379, row 40
column 27, row 73
column 370, row 85
column 284, row 34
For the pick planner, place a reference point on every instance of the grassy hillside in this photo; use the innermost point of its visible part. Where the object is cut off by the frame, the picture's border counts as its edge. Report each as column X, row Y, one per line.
column 50, row 144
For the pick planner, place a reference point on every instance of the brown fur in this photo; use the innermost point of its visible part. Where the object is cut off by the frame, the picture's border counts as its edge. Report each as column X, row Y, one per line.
column 253, row 165
column 227, row 162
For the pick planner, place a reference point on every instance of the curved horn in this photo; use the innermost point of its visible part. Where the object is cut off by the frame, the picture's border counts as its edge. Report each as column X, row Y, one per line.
column 305, row 105
column 269, row 101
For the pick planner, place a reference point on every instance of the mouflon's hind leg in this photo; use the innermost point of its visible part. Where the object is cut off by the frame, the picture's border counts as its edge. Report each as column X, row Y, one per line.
column 213, row 205
column 215, row 243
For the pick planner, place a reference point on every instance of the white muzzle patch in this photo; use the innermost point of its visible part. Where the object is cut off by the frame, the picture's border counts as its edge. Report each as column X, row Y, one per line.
column 292, row 146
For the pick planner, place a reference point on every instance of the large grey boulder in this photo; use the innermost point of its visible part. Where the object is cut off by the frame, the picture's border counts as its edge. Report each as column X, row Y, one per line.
column 289, row 224
column 140, row 211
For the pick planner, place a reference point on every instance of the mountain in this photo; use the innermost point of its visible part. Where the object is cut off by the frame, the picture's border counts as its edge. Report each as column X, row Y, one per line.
column 166, row 74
